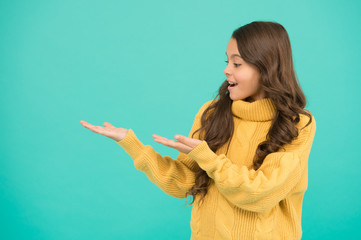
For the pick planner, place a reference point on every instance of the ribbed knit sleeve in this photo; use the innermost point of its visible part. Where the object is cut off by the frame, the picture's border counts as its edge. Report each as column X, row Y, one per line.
column 258, row 191
column 173, row 176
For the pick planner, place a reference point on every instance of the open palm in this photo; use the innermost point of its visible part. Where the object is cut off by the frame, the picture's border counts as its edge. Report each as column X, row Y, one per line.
column 108, row 130
column 184, row 144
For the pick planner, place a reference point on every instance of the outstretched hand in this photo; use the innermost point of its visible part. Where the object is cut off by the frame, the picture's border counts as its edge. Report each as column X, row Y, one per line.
column 108, row 130
column 184, row 144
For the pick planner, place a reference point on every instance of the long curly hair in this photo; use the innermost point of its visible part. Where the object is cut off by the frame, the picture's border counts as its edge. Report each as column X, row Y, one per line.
column 265, row 45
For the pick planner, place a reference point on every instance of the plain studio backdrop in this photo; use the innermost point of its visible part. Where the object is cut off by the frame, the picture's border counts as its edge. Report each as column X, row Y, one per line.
column 149, row 66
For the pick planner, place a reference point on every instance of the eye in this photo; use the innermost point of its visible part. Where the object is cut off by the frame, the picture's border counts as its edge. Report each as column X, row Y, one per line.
column 235, row 64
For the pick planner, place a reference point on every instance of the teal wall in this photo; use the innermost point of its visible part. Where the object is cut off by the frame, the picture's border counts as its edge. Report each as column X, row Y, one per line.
column 149, row 66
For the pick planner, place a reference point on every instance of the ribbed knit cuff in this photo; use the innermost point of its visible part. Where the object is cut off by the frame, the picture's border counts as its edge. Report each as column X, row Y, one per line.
column 204, row 156
column 133, row 146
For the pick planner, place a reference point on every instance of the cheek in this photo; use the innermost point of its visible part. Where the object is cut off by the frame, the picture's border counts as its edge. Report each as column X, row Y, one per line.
column 254, row 84
column 243, row 79
column 248, row 80
column 239, row 77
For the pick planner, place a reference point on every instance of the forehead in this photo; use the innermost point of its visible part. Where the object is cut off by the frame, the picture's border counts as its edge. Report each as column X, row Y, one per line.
column 232, row 49
column 235, row 55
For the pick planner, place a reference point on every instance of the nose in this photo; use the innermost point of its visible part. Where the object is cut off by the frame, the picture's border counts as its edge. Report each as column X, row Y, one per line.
column 227, row 71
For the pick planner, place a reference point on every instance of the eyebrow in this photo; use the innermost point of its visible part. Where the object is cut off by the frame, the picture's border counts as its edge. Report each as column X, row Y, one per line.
column 234, row 55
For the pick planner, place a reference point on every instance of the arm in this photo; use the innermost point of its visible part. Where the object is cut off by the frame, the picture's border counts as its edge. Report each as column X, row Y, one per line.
column 260, row 190
column 174, row 177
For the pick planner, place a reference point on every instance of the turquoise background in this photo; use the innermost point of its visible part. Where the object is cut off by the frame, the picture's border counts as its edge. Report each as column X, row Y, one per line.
column 149, row 66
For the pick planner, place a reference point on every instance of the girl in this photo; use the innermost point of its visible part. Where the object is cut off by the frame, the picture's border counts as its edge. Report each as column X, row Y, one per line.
column 245, row 160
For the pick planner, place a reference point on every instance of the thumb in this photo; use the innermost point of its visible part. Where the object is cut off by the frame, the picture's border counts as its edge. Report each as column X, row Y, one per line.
column 181, row 138
column 106, row 124
column 190, row 142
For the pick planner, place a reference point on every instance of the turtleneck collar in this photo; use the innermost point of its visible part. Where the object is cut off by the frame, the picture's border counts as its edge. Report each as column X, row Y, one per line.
column 259, row 111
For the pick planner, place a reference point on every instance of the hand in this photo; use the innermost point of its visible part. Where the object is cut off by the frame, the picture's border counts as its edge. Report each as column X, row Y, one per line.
column 184, row 144
column 108, row 130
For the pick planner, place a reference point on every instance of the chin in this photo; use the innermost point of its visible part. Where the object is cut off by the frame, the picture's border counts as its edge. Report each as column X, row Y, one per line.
column 239, row 97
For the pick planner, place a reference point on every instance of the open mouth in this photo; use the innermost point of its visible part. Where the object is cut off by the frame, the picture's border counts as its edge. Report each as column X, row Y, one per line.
column 232, row 85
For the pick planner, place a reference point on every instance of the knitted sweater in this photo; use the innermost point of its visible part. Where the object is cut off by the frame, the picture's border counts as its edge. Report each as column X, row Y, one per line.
column 241, row 203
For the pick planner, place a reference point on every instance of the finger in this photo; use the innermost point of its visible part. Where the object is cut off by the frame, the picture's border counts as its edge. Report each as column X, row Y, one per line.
column 191, row 142
column 183, row 139
column 159, row 137
column 106, row 124
column 173, row 144
column 90, row 126
column 165, row 141
column 96, row 129
column 85, row 124
column 82, row 122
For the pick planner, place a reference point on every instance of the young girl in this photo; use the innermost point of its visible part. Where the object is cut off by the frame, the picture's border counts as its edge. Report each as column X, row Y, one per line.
column 245, row 160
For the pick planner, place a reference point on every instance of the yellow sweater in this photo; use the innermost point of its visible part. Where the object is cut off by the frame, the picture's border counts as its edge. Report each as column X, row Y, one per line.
column 241, row 203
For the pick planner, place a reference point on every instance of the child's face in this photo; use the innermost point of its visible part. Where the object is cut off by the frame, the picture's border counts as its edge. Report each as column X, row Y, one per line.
column 246, row 76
